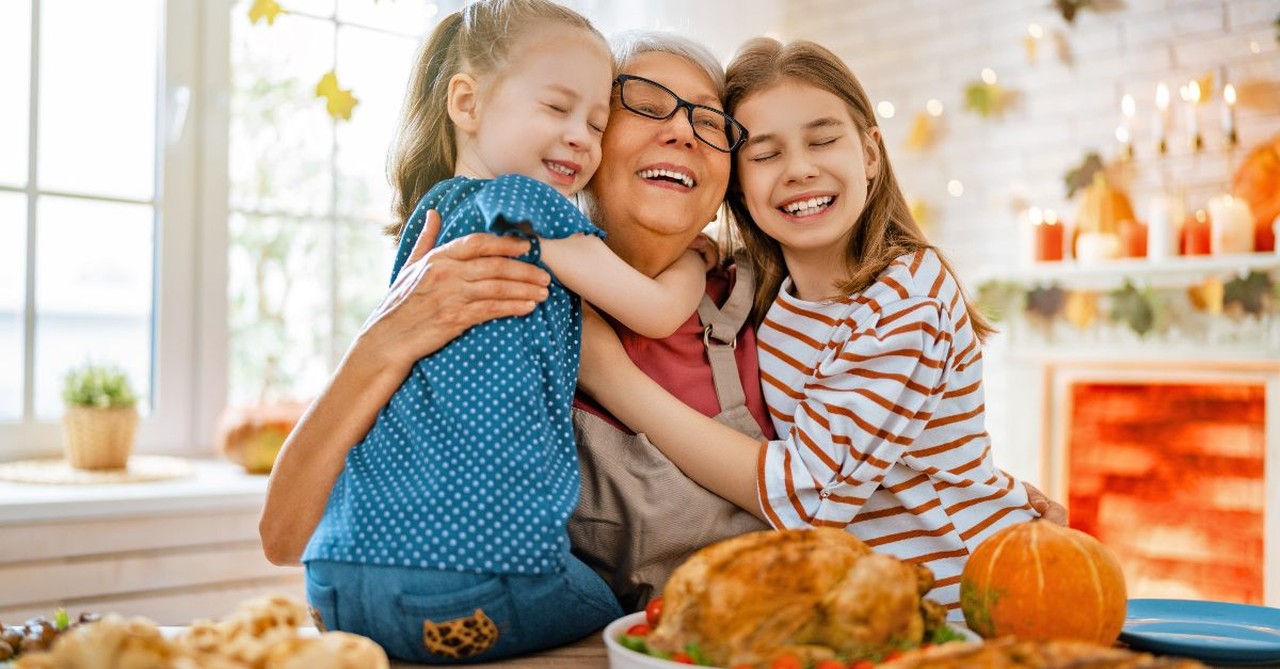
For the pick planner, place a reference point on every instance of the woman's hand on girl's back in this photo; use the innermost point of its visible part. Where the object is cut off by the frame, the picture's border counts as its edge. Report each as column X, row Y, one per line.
column 441, row 292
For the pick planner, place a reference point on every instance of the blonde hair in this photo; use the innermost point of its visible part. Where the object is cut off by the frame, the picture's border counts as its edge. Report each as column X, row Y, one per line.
column 885, row 230
column 475, row 39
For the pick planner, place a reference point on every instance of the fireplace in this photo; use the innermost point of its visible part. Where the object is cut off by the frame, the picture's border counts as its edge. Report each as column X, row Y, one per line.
column 1172, row 477
column 1168, row 463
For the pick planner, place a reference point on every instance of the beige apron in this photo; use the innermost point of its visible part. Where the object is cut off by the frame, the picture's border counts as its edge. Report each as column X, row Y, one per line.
column 639, row 516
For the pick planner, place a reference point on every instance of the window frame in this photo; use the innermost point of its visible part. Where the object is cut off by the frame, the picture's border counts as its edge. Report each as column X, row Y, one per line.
column 188, row 295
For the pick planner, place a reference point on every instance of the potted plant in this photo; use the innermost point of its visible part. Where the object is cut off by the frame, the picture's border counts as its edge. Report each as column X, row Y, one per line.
column 101, row 416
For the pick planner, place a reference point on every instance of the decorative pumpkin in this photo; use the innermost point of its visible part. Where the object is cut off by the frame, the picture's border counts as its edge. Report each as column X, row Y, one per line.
column 1040, row 581
column 1258, row 183
column 1102, row 209
column 252, row 436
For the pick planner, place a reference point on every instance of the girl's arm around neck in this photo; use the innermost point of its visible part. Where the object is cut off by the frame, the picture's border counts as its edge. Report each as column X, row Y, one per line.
column 715, row 456
column 651, row 307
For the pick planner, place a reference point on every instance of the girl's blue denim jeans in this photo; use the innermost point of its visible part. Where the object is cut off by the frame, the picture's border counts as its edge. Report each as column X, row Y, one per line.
column 443, row 617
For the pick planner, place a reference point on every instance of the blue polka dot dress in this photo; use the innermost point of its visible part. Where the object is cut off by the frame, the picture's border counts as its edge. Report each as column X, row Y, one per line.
column 472, row 466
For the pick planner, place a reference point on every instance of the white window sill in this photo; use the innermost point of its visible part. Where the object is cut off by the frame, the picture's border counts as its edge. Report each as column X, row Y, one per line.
column 216, row 485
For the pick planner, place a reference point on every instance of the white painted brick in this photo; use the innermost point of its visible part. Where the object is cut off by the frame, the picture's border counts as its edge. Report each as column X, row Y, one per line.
column 1174, row 24
column 1250, row 13
column 1104, row 39
column 1209, row 52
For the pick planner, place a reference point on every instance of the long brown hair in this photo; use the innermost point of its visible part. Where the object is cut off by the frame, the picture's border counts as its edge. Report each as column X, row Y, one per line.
column 885, row 230
column 476, row 40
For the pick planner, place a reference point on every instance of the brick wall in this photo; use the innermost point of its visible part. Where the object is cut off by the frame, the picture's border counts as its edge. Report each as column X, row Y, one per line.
column 910, row 51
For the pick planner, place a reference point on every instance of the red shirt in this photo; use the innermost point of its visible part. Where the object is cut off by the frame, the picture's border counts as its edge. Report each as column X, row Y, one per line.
column 679, row 363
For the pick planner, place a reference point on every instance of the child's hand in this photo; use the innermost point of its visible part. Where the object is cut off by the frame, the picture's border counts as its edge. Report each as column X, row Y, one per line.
column 705, row 247
column 1047, row 508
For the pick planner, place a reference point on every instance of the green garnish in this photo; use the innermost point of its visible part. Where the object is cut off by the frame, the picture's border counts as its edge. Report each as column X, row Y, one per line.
column 60, row 619
column 944, row 634
column 696, row 653
column 635, row 643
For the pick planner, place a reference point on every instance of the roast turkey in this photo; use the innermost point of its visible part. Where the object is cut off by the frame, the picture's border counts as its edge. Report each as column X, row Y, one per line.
column 816, row 594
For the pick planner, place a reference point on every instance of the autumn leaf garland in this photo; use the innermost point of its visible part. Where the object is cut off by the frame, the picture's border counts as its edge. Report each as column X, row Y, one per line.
column 339, row 102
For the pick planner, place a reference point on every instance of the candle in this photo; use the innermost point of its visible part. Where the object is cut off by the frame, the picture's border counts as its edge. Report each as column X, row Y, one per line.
column 1229, row 115
column 1230, row 225
column 1049, row 235
column 1133, row 239
column 1161, row 119
column 1191, row 96
column 1164, row 216
column 1127, row 109
column 1195, row 233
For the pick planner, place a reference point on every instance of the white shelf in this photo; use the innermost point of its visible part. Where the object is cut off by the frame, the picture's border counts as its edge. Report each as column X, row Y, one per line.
column 1178, row 271
column 215, row 486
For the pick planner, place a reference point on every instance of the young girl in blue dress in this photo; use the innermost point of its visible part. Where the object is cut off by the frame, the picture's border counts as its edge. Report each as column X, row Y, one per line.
column 444, row 537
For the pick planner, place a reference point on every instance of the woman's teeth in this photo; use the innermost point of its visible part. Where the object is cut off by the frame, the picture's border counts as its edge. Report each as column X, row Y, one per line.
column 560, row 169
column 677, row 177
column 808, row 207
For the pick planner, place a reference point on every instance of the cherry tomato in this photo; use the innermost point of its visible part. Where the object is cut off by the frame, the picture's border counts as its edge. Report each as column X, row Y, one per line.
column 893, row 655
column 743, row 666
column 787, row 662
column 653, row 611
column 639, row 629
column 862, row 664
column 682, row 658
column 829, row 664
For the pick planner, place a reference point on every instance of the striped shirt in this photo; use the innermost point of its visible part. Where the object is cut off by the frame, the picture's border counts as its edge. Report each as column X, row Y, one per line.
column 878, row 404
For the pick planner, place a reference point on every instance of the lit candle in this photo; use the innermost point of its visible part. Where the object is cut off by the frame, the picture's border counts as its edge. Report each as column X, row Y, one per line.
column 1229, row 115
column 1230, row 225
column 1127, row 109
column 1195, row 234
column 1191, row 96
column 1162, row 113
column 1049, row 235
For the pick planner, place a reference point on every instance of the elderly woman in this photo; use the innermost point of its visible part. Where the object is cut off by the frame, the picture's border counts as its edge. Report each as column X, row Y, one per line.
column 662, row 179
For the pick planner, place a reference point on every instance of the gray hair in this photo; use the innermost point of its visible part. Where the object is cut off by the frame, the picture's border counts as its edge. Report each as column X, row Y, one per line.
column 632, row 43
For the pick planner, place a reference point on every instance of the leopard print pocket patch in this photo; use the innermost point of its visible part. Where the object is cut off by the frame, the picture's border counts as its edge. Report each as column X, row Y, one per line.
column 315, row 618
column 460, row 638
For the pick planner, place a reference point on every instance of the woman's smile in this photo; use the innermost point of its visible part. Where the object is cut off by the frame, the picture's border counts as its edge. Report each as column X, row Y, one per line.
column 669, row 175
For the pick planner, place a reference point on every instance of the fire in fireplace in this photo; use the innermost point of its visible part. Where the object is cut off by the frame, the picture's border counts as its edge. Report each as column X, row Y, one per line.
column 1171, row 477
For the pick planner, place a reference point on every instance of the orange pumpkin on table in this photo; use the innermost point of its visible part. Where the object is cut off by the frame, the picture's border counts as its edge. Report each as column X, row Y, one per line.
column 251, row 436
column 1258, row 183
column 1042, row 581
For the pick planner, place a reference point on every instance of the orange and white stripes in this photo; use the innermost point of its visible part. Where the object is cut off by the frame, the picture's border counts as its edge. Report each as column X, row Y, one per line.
column 877, row 400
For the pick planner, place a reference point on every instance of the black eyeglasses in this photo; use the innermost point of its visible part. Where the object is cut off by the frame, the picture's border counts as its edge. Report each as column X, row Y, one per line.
column 652, row 100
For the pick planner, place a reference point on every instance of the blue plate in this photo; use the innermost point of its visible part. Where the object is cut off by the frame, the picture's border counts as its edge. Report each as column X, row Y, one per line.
column 1215, row 632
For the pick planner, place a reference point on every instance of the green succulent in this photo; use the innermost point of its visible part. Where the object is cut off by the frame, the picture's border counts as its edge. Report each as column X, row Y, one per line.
column 100, row 385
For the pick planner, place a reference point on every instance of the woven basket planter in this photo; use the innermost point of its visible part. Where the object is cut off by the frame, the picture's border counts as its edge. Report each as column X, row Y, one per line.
column 99, row 438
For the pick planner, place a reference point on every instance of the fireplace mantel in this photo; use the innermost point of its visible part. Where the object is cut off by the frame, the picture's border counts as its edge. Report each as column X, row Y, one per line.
column 1040, row 357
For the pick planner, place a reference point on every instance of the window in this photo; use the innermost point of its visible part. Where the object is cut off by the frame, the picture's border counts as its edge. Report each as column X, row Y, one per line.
column 309, row 194
column 96, row 201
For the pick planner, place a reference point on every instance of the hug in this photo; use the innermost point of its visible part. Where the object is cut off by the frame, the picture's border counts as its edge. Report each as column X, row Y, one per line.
column 569, row 388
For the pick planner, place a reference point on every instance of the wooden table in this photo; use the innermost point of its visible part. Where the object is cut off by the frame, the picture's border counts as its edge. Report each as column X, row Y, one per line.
column 587, row 653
